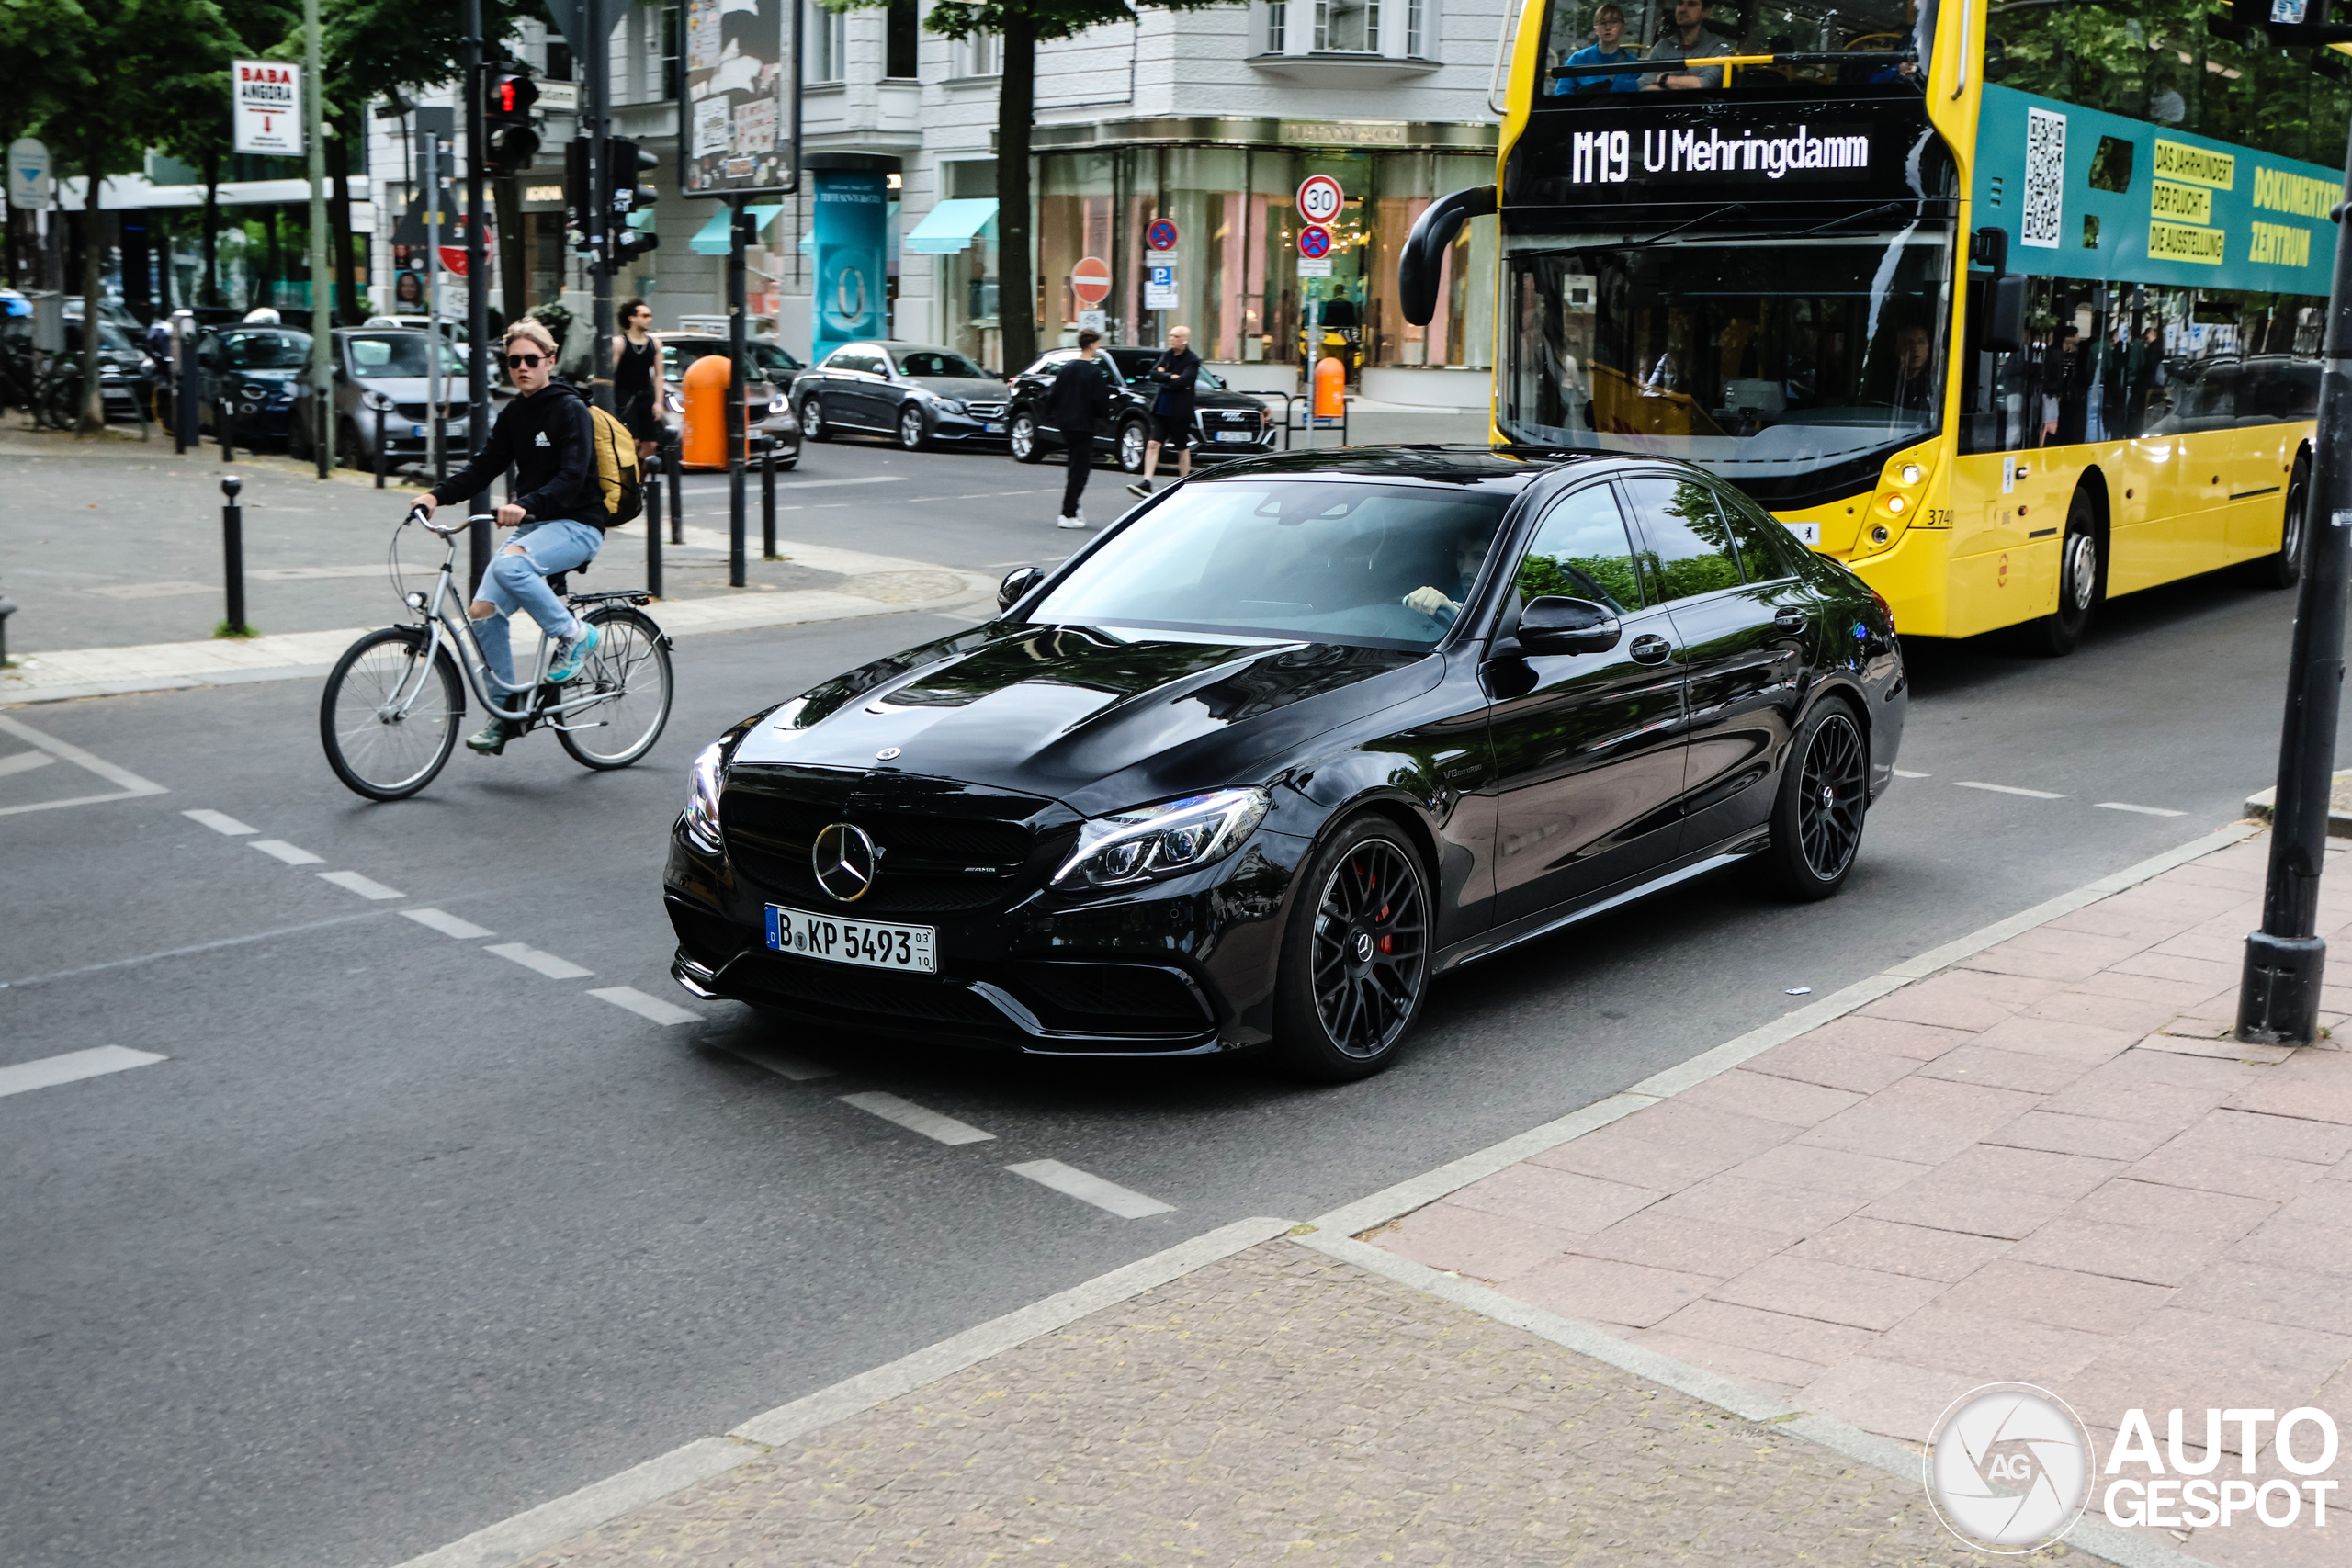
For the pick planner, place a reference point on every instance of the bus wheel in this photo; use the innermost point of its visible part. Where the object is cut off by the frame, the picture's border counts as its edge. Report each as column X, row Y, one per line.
column 2286, row 569
column 2080, row 573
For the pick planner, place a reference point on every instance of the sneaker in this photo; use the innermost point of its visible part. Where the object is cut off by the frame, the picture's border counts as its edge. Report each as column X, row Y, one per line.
column 491, row 739
column 1141, row 486
column 1076, row 520
column 570, row 652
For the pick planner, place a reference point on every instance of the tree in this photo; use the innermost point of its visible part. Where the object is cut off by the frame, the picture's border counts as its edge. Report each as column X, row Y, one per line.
column 106, row 80
column 204, row 137
column 1020, row 26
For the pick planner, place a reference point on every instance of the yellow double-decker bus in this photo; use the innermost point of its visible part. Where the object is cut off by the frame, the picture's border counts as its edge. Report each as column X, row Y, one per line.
column 2011, row 306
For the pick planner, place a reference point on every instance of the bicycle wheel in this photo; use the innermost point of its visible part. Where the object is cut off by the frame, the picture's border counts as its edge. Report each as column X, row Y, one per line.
column 381, row 754
column 630, row 670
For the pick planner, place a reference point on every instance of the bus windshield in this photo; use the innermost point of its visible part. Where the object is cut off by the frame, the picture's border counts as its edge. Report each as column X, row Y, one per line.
column 1760, row 358
column 1816, row 45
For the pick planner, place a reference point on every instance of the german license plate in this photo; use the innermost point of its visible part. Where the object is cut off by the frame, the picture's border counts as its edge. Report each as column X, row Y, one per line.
column 1806, row 532
column 1235, row 436
column 993, row 427
column 871, row 944
column 416, row 432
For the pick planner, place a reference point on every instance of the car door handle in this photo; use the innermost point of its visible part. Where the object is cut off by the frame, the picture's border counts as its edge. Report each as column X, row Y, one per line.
column 1649, row 648
column 1789, row 619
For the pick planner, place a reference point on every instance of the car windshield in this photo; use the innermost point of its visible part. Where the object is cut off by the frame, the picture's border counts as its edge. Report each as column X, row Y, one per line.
column 769, row 356
column 397, row 353
column 939, row 361
column 265, row 351
column 1312, row 559
column 110, row 336
column 1752, row 357
column 1136, row 364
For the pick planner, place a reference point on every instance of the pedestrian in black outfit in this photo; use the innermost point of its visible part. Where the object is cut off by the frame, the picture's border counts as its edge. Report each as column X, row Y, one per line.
column 637, row 372
column 1078, row 403
column 1171, row 412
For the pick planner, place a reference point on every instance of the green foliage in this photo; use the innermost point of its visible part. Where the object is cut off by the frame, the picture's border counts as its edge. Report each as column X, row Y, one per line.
column 1608, row 580
column 101, row 80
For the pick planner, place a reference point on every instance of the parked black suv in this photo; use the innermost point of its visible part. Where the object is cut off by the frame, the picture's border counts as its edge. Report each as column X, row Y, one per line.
column 1223, row 420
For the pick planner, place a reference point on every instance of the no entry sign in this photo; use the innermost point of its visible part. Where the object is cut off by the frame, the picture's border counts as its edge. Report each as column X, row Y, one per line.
column 1314, row 241
column 1320, row 198
column 1090, row 280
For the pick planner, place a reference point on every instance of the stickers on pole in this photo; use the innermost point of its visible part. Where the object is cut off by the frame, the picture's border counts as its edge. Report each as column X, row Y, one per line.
column 266, row 98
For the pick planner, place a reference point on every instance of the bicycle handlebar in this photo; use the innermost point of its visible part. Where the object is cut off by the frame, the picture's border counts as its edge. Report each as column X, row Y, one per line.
column 418, row 515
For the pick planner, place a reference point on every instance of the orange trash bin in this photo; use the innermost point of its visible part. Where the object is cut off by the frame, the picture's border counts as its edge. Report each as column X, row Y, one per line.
column 1330, row 388
column 703, row 443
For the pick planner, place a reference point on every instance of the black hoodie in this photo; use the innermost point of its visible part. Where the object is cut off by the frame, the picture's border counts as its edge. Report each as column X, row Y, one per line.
column 550, row 441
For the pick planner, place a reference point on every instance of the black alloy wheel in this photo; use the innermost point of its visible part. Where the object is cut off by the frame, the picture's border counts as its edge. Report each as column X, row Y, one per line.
column 1134, row 436
column 1356, row 959
column 1823, row 798
column 2286, row 569
column 812, row 420
column 2082, row 579
column 911, row 435
column 1022, row 438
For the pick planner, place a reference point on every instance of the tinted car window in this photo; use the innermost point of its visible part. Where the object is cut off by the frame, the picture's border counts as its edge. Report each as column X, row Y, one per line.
column 1581, row 552
column 939, row 362
column 1330, row 561
column 1687, row 548
column 1767, row 549
column 265, row 351
column 399, row 354
column 769, row 356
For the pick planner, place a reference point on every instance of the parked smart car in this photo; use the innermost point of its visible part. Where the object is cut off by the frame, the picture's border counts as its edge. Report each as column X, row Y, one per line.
column 246, row 375
column 915, row 394
column 383, row 371
column 1224, row 420
column 772, row 412
column 1286, row 743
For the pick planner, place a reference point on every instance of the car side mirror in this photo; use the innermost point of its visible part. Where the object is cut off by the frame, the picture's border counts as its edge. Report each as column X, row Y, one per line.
column 1016, row 584
column 1554, row 624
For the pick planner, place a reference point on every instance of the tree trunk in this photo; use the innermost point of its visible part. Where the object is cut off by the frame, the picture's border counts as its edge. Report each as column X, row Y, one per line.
column 266, row 291
column 211, row 294
column 93, row 230
column 339, row 218
column 1016, row 107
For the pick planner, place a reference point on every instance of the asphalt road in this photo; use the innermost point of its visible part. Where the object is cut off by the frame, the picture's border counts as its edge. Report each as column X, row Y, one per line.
column 405, row 1237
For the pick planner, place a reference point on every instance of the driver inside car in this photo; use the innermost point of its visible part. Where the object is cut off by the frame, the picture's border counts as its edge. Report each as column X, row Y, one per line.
column 1469, row 554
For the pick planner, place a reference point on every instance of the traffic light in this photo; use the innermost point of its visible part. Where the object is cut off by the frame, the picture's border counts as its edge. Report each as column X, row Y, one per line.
column 633, row 200
column 509, row 142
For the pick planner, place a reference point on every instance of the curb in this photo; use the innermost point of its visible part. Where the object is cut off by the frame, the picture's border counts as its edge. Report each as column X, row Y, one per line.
column 513, row 1539
column 2263, row 802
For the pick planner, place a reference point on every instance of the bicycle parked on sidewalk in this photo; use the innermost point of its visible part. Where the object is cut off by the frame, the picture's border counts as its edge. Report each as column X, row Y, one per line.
column 394, row 707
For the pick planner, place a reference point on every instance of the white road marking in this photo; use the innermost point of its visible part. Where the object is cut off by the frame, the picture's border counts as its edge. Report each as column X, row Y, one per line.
column 1077, row 1184
column 218, row 821
column 75, row 1064
column 2008, row 789
column 546, row 964
column 654, row 1007
column 915, row 1119
column 25, row 762
column 1907, row 773
column 305, row 573
column 150, row 590
column 2143, row 810
column 127, row 784
column 366, row 886
column 447, row 924
column 783, row 1064
column 783, row 483
column 279, row 849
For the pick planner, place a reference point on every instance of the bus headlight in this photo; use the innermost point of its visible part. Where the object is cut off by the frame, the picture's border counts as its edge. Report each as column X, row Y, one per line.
column 1911, row 474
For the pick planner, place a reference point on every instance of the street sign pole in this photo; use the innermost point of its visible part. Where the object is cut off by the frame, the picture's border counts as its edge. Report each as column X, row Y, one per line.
column 482, row 541
column 321, row 279
column 429, row 161
column 595, row 21
column 739, row 393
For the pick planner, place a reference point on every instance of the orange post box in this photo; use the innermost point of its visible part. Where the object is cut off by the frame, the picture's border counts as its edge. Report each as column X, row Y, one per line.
column 1330, row 388
column 702, row 445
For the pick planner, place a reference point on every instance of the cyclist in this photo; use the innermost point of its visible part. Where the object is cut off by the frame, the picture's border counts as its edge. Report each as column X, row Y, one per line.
column 557, row 515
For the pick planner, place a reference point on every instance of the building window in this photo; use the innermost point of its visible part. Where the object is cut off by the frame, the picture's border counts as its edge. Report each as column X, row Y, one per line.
column 673, row 45
column 1416, row 24
column 828, row 50
column 1277, row 26
column 558, row 62
column 1347, row 27
column 983, row 55
column 899, row 37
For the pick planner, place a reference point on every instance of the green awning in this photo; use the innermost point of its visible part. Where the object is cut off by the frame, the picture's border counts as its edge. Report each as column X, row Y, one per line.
column 712, row 239
column 950, row 226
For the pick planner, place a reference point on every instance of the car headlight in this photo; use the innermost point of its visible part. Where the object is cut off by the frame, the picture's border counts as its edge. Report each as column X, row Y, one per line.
column 254, row 391
column 776, row 403
column 701, row 820
column 1164, row 840
column 677, row 405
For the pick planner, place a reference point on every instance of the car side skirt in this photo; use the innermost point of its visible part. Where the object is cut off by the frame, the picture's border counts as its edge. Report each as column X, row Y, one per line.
column 1731, row 851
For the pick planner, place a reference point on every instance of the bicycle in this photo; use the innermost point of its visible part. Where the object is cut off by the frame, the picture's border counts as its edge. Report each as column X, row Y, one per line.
column 393, row 709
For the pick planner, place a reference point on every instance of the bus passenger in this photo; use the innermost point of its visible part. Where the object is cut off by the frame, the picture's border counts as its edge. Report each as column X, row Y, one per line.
column 1607, row 31
column 1688, row 39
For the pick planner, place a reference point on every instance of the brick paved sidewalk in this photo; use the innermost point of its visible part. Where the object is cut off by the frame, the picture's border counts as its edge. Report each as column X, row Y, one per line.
column 1283, row 1407
column 2047, row 1164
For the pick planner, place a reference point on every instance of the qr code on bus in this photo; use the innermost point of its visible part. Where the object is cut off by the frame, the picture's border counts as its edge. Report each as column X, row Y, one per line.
column 2045, row 178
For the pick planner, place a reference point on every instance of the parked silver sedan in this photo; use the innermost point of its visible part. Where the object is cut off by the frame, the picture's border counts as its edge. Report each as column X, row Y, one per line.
column 381, row 382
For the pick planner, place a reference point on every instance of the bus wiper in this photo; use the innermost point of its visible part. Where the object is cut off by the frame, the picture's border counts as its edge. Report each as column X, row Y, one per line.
column 1658, row 239
column 1881, row 210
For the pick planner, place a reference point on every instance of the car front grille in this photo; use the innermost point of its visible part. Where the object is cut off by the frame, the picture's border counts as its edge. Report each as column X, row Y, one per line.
column 984, row 411
column 421, row 413
column 845, row 991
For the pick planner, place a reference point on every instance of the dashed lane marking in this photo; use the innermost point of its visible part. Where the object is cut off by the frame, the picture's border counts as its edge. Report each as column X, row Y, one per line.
column 279, row 849
column 1068, row 1179
column 447, row 924
column 1907, row 773
column 218, row 821
column 127, row 784
column 915, row 1119
column 25, row 762
column 654, row 1007
column 546, row 964
column 2009, row 789
column 74, row 1066
column 366, row 886
column 2143, row 810
column 783, row 1064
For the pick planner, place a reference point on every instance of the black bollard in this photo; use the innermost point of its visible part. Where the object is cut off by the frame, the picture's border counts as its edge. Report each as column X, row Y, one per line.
column 767, row 502
column 674, row 459
column 654, row 531
column 379, row 445
column 7, row 608
column 232, row 553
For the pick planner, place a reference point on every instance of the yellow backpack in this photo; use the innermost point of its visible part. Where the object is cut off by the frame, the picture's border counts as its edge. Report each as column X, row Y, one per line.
column 616, row 471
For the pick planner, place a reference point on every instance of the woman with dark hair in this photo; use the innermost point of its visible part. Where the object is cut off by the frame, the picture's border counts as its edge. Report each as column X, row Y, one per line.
column 637, row 375
column 408, row 291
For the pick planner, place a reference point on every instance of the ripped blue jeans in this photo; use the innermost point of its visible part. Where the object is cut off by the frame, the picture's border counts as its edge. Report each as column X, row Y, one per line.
column 520, row 582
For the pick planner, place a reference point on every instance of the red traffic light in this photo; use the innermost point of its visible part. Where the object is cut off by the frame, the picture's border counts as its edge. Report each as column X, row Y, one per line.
column 515, row 95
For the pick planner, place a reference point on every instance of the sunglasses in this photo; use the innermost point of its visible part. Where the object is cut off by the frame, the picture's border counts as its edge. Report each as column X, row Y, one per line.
column 524, row 361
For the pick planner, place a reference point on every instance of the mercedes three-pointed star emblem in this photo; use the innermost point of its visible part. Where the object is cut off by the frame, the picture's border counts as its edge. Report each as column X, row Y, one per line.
column 845, row 861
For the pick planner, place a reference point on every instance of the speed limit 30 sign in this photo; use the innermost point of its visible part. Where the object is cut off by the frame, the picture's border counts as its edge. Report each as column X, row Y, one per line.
column 1320, row 198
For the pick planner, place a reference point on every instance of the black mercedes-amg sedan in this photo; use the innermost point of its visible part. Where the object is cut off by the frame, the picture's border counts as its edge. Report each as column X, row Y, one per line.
column 1284, row 744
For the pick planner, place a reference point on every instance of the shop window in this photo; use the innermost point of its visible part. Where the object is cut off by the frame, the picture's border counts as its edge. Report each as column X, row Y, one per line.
column 898, row 41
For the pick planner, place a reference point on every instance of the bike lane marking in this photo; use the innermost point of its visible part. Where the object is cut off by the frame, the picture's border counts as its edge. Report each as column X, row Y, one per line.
column 72, row 1067
column 546, row 964
column 366, row 886
column 916, row 1118
column 1125, row 1202
column 638, row 1002
column 447, row 924
column 279, row 850
column 218, row 821
column 127, row 784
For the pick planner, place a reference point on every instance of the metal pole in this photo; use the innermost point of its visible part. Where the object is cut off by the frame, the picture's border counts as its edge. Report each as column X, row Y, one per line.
column 767, row 498
column 321, row 278
column 2278, row 995
column 182, row 381
column 673, row 466
column 653, row 533
column 232, row 552
column 380, row 444
column 738, row 391
column 430, row 157
column 596, row 22
column 479, row 540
